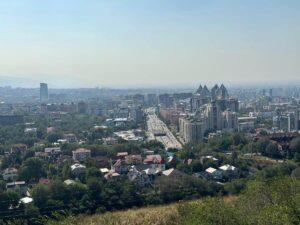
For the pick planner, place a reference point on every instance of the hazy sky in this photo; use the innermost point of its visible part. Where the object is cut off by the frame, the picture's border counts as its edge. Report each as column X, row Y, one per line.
column 149, row 42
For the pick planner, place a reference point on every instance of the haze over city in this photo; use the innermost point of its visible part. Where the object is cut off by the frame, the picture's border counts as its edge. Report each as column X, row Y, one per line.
column 165, row 112
column 148, row 43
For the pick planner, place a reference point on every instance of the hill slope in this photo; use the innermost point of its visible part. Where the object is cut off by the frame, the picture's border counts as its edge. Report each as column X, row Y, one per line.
column 159, row 215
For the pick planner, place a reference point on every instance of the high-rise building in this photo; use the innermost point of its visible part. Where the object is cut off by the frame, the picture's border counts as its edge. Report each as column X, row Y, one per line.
column 138, row 99
column 151, row 99
column 191, row 130
column 210, row 111
column 44, row 97
column 82, row 107
column 233, row 105
column 165, row 100
column 230, row 120
column 136, row 114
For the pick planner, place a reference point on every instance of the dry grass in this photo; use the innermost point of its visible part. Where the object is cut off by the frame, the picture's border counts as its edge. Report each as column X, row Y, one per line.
column 160, row 215
column 154, row 215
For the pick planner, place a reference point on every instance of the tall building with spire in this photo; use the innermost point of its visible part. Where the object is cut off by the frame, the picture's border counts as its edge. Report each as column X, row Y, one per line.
column 210, row 111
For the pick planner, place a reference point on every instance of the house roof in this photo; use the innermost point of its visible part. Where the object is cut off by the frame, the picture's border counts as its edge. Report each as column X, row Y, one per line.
column 211, row 157
column 104, row 170
column 26, row 200
column 77, row 166
column 15, row 183
column 44, row 181
column 227, row 167
column 52, row 149
column 153, row 159
column 82, row 150
column 210, row 170
column 168, row 172
column 10, row 170
column 69, row 181
column 173, row 172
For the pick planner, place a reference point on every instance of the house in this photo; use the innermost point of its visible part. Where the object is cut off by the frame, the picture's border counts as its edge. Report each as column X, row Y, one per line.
column 151, row 167
column 208, row 158
column 109, row 141
column 133, row 159
column 44, row 181
column 10, row 174
column 53, row 151
column 69, row 182
column 42, row 155
column 26, row 200
column 18, row 186
column 153, row 159
column 141, row 178
column 212, row 173
column 62, row 141
column 71, row 138
column 228, row 170
column 81, row 154
column 147, row 152
column 173, row 173
column 78, row 169
column 104, row 170
column 111, row 174
column 152, row 171
column 50, row 130
column 120, row 166
column 18, row 149
column 32, row 130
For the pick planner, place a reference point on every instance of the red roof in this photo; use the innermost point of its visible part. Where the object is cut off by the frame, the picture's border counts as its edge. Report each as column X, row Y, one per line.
column 44, row 181
column 153, row 159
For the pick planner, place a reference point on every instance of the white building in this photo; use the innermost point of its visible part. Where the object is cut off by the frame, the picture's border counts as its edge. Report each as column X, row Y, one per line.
column 78, row 169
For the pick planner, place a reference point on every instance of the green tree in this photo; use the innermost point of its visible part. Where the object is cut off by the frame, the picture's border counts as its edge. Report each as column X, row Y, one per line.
column 272, row 151
column 295, row 148
column 32, row 168
column 40, row 194
column 8, row 199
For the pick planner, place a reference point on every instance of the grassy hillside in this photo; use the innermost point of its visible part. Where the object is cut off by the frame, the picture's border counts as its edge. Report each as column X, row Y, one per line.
column 264, row 202
column 155, row 215
column 160, row 215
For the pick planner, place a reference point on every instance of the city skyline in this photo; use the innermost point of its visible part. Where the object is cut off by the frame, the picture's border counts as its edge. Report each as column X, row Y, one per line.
column 130, row 44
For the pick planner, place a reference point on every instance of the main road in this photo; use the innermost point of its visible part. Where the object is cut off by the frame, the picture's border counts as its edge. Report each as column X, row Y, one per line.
column 158, row 130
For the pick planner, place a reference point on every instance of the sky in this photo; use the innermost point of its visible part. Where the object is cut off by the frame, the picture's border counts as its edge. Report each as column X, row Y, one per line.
column 144, row 43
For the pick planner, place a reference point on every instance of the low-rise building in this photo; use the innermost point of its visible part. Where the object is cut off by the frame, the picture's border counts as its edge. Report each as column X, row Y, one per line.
column 78, row 169
column 212, row 173
column 228, row 170
column 18, row 149
column 71, row 138
column 18, row 186
column 81, row 154
column 69, row 182
column 109, row 141
column 10, row 174
column 52, row 151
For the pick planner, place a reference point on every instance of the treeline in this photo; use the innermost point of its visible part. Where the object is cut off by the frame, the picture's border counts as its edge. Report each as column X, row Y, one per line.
column 97, row 195
column 273, row 201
